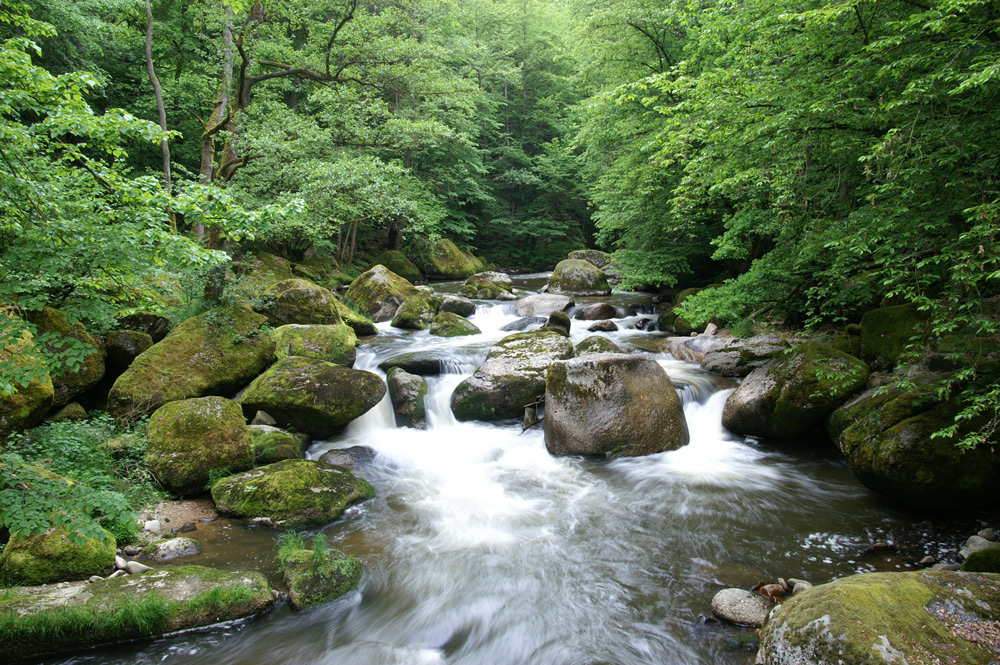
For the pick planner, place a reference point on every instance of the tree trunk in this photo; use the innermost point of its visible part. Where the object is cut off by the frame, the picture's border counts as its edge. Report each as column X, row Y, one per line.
column 158, row 92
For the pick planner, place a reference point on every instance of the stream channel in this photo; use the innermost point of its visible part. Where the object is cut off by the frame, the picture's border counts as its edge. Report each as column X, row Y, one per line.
column 482, row 549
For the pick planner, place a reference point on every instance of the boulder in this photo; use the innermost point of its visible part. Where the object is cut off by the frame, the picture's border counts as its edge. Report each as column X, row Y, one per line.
column 886, row 437
column 52, row 557
column 525, row 323
column 169, row 549
column 259, row 271
column 594, row 345
column 612, row 405
column 740, row 356
column 542, row 304
column 986, row 560
column 271, row 444
column 886, row 332
column 487, row 285
column 670, row 321
column 512, row 376
column 292, row 493
column 447, row 261
column 215, row 353
column 407, row 392
column 349, row 457
column 795, row 392
column 457, row 305
column 423, row 363
column 593, row 256
column 396, row 261
column 417, row 311
column 190, row 438
column 314, row 579
column 741, row 607
column 446, row 324
column 312, row 396
column 155, row 325
column 71, row 412
column 596, row 312
column 297, row 301
column 79, row 615
column 123, row 347
column 59, row 334
column 692, row 349
column 559, row 322
column 881, row 618
column 26, row 407
column 361, row 324
column 603, row 326
column 578, row 278
column 378, row 293
column 334, row 344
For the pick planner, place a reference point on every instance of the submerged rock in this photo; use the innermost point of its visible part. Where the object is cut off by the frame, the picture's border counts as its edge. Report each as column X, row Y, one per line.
column 407, row 392
column 424, row 363
column 542, row 305
column 525, row 323
column 603, row 326
column 612, row 405
column 334, row 344
column 378, row 293
column 314, row 580
column 578, row 278
column 599, row 311
column 741, row 607
column 52, row 557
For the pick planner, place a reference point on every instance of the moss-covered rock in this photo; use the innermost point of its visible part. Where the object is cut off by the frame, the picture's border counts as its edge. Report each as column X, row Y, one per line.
column 612, row 405
column 794, row 393
column 740, row 356
column 314, row 580
column 882, row 618
column 847, row 343
column 446, row 324
column 26, row 407
column 123, row 347
column 291, row 493
column 559, row 322
column 594, row 345
column 47, row 619
column 71, row 412
column 361, row 324
column 190, row 438
column 593, row 256
column 579, row 278
column 63, row 334
column 378, row 293
column 885, row 333
column 685, row 294
column 53, row 557
column 396, row 261
column 983, row 561
column 447, row 261
column 271, row 444
column 886, row 437
column 512, row 377
column 313, row 396
column 407, row 392
column 417, row 311
column 334, row 344
column 297, row 301
column 487, row 285
column 169, row 549
column 215, row 353
column 259, row 271
column 668, row 320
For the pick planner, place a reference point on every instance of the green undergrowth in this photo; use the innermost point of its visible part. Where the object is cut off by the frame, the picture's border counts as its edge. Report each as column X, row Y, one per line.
column 145, row 617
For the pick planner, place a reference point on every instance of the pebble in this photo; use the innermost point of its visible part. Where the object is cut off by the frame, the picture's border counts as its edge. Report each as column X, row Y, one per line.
column 928, row 561
column 131, row 550
column 263, row 418
column 135, row 568
column 117, row 573
column 800, row 585
column 187, row 528
column 120, row 563
column 94, row 578
column 152, row 526
column 741, row 606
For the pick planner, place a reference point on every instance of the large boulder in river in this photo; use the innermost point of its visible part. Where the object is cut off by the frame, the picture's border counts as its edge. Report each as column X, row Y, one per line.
column 396, row 261
column 80, row 615
column 407, row 392
column 424, row 363
column 740, row 356
column 189, row 439
column 578, row 278
column 457, row 305
column 297, row 301
column 487, row 285
column 447, row 261
column 292, row 493
column 594, row 256
column 446, row 324
column 51, row 556
column 59, row 334
column 417, row 311
column 378, row 293
column 512, row 377
column 612, row 405
column 886, row 435
column 794, row 393
column 885, row 618
column 542, row 304
column 313, row 396
column 215, row 353
column 26, row 407
column 886, row 332
column 334, row 344
column 599, row 311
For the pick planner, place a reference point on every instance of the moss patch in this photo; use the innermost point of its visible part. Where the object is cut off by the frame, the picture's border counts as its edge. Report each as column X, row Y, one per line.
column 313, row 580
column 447, row 261
column 447, row 324
column 334, row 344
column 271, row 444
column 57, row 328
column 361, row 324
column 53, row 557
column 417, row 311
column 378, row 293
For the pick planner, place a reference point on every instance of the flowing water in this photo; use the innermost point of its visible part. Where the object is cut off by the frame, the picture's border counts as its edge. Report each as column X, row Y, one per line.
column 482, row 548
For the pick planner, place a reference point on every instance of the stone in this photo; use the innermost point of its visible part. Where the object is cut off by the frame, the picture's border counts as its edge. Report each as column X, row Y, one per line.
column 447, row 261
column 446, row 324
column 117, row 573
column 65, row 333
column 880, row 618
column 986, row 560
column 378, row 293
column 594, row 345
column 988, row 534
column 292, row 493
column 349, row 457
column 741, row 607
column 215, row 353
column 155, row 325
column 693, row 349
column 407, row 392
column 528, row 322
column 263, row 418
column 334, row 344
column 596, row 312
column 396, row 261
column 592, row 256
column 84, row 615
column 271, row 444
column 512, row 377
column 314, row 580
column 191, row 438
column 123, row 347
column 361, row 324
column 52, row 557
column 313, row 396
column 120, row 562
column 612, row 405
column 542, row 304
column 975, row 544
column 136, row 568
column 487, row 285
column 260, row 270
column 152, row 526
column 603, row 326
column 298, row 301
column 579, row 278
column 559, row 322
column 72, row 412
column 737, row 357
column 423, row 363
column 417, row 311
column 457, row 305
column 171, row 548
column 794, row 392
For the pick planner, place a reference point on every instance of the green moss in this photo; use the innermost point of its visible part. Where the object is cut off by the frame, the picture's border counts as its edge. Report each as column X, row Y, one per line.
column 447, row 261
column 334, row 344
column 486, row 285
column 558, row 322
column 447, row 324
column 271, row 444
column 417, row 311
column 378, row 292
column 397, row 262
column 593, row 256
column 886, row 332
column 314, row 579
column 595, row 344
column 297, row 301
column 361, row 324
column 581, row 278
column 53, row 557
column 291, row 493
column 983, row 561
column 261, row 270
column 57, row 328
column 847, row 343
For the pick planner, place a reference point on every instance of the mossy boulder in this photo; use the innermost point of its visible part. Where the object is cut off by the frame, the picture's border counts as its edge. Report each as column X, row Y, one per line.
column 848, row 343
column 512, row 377
column 313, row 396
column 580, row 278
column 417, row 311
column 47, row 619
column 292, row 493
column 63, row 334
column 72, row 412
column 882, row 618
column 488, row 285
column 740, row 356
column 396, row 261
column 794, row 393
column 314, row 580
column 407, row 392
column 297, row 301
column 457, row 305
column 886, row 332
column 259, row 271
column 215, row 353
column 447, row 261
column 984, row 561
column 612, row 405
column 542, row 304
column 378, row 293
column 26, row 407
column 53, row 557
column 361, row 324
column 886, row 436
column 190, row 438
column 594, row 345
column 334, row 344
column 593, row 256
column 559, row 322
column 271, row 444
column 123, row 347
column 446, row 324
